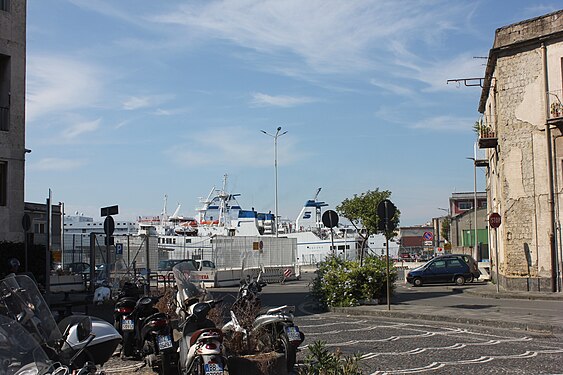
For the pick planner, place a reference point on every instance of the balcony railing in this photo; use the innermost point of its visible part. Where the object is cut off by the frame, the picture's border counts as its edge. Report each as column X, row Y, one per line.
column 555, row 106
column 487, row 138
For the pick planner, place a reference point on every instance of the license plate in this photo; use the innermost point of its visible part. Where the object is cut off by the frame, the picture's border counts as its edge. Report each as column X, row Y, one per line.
column 293, row 333
column 213, row 369
column 127, row 324
column 164, row 341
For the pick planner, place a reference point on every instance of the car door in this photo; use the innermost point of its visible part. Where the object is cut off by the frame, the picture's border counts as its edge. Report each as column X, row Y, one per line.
column 435, row 272
column 456, row 266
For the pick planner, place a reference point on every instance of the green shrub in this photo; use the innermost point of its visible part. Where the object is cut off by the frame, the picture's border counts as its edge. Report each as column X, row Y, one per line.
column 344, row 283
column 322, row 362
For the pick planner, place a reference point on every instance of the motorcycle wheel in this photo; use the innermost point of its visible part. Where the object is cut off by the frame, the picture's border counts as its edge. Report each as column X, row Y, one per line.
column 127, row 344
column 165, row 367
column 283, row 346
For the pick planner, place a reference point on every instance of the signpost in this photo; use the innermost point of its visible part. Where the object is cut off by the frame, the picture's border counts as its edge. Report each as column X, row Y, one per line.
column 330, row 220
column 494, row 222
column 386, row 211
column 109, row 227
column 26, row 224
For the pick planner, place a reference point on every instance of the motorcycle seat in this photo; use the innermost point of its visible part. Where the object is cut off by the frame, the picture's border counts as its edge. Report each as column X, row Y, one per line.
column 206, row 333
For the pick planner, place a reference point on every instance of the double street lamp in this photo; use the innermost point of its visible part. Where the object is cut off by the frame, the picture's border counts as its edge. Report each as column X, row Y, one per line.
column 276, row 136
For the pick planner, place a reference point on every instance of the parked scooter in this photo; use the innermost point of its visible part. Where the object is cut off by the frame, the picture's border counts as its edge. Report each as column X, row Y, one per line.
column 20, row 354
column 273, row 329
column 201, row 345
column 75, row 341
column 147, row 333
column 127, row 299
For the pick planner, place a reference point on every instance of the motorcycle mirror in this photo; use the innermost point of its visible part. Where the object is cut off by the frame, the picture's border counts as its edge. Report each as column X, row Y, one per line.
column 84, row 328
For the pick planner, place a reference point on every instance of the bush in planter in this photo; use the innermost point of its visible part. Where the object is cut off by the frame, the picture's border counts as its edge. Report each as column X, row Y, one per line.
column 322, row 362
column 342, row 282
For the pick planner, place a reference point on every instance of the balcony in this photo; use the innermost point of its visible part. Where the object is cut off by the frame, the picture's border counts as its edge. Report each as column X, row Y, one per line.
column 555, row 108
column 487, row 138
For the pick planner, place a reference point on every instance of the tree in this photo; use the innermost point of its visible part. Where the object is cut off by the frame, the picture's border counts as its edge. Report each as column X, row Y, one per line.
column 445, row 230
column 361, row 211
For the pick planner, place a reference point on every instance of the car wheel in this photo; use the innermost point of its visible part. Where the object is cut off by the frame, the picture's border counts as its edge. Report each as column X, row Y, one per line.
column 459, row 280
column 417, row 281
column 471, row 279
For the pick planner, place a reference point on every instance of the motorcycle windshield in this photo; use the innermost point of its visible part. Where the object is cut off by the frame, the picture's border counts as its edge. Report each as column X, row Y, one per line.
column 19, row 352
column 182, row 272
column 21, row 300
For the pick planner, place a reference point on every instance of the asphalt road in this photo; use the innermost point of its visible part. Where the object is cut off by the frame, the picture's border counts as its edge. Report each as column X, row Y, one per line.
column 387, row 345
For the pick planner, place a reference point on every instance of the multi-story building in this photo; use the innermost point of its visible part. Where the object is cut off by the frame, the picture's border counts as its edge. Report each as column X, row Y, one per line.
column 12, row 118
column 521, row 130
column 468, row 227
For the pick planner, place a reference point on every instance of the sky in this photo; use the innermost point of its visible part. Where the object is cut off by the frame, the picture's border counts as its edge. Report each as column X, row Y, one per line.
column 129, row 101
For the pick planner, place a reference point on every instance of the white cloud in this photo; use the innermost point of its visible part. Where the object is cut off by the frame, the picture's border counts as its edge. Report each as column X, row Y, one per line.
column 259, row 99
column 236, row 146
column 328, row 36
column 136, row 102
column 139, row 102
column 60, row 84
column 76, row 130
column 447, row 123
column 393, row 88
column 56, row 165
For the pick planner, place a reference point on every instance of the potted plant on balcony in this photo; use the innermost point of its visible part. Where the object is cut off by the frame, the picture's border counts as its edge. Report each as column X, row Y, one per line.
column 483, row 130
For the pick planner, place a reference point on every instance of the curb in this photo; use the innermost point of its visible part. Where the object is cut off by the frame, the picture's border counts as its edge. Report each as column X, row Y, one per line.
column 532, row 327
column 514, row 295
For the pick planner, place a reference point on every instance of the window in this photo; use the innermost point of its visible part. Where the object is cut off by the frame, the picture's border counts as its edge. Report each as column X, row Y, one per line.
column 3, row 183
column 439, row 264
column 467, row 205
column 39, row 228
column 4, row 91
column 5, row 5
column 454, row 263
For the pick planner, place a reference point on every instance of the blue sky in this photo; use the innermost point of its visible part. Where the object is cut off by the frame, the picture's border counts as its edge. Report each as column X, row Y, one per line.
column 130, row 100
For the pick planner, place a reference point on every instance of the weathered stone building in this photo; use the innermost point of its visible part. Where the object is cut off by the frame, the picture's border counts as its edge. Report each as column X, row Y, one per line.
column 12, row 118
column 522, row 133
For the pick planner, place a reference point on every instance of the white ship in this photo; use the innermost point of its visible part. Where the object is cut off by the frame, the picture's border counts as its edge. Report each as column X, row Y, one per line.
column 220, row 214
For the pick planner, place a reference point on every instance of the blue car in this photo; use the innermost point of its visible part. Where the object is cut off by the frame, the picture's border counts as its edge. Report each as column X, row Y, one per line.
column 453, row 268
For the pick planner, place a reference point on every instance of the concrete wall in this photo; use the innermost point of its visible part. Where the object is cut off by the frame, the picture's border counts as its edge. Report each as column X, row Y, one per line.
column 517, row 179
column 12, row 141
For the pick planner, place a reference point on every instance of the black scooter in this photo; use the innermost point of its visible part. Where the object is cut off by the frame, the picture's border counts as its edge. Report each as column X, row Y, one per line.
column 147, row 333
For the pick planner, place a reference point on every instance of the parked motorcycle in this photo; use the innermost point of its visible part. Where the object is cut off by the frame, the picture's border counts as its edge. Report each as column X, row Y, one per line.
column 201, row 344
column 147, row 333
column 20, row 354
column 127, row 299
column 271, row 330
column 75, row 341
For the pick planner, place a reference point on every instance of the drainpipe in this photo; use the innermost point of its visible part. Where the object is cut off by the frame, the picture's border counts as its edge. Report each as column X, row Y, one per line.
column 551, row 200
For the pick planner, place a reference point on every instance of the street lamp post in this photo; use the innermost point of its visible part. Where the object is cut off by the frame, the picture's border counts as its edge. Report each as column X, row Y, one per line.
column 476, row 247
column 276, row 136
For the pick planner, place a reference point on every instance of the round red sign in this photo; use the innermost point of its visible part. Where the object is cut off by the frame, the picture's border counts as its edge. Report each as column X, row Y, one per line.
column 494, row 220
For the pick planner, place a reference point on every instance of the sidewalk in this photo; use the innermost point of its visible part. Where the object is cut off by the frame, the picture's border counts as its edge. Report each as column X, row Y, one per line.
column 477, row 304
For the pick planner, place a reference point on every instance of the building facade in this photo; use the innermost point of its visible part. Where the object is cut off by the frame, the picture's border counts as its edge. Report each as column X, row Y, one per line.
column 469, row 229
column 12, row 118
column 521, row 103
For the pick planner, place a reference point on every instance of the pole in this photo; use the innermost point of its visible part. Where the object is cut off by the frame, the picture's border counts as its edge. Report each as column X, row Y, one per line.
column 148, row 284
column 476, row 252
column 333, row 250
column 48, row 251
column 388, row 286
column 496, row 260
column 276, row 136
column 276, row 171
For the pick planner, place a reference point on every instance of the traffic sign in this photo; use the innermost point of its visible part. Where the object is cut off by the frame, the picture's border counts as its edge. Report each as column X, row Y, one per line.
column 109, row 226
column 428, row 236
column 330, row 219
column 385, row 212
column 118, row 248
column 26, row 222
column 494, row 220
column 110, row 210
